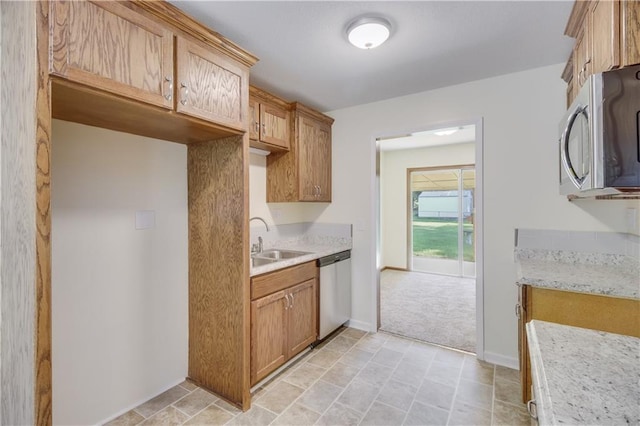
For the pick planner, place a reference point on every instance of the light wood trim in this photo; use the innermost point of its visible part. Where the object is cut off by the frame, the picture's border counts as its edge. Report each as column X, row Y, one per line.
column 604, row 313
column 630, row 32
column 43, row 375
column 271, row 282
column 113, row 112
column 264, row 96
column 219, row 311
column 170, row 14
column 311, row 113
column 576, row 18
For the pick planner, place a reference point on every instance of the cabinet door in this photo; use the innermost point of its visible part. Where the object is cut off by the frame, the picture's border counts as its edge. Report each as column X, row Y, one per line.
column 630, row 46
column 323, row 162
column 108, row 46
column 274, row 125
column 210, row 86
column 254, row 119
column 268, row 334
column 308, row 159
column 523, row 348
column 302, row 317
column 605, row 35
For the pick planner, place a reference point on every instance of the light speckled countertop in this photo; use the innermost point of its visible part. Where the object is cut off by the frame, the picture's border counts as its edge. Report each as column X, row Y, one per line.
column 315, row 249
column 606, row 274
column 583, row 376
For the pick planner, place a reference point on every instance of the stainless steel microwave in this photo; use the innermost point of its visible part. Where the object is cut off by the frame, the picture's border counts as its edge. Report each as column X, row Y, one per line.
column 600, row 136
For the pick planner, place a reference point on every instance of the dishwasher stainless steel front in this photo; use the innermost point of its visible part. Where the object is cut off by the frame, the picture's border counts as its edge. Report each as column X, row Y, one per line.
column 335, row 291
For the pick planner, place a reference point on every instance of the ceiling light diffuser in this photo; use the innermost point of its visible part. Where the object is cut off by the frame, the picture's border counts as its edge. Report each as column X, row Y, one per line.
column 367, row 33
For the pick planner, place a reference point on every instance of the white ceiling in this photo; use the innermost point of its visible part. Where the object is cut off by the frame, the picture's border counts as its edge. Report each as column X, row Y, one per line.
column 304, row 54
column 427, row 139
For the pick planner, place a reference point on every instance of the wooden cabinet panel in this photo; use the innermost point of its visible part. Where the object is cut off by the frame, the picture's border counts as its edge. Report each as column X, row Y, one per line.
column 254, row 117
column 582, row 63
column 596, row 312
column 604, row 30
column 269, row 317
column 284, row 316
column 274, row 125
column 630, row 29
column 210, row 86
column 108, row 46
column 323, row 150
column 302, row 317
column 308, row 152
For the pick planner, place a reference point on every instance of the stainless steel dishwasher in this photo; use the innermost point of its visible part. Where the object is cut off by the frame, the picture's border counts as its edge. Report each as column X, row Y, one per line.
column 335, row 291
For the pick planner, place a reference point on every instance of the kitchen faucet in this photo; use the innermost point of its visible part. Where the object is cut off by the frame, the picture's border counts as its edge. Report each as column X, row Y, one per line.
column 257, row 248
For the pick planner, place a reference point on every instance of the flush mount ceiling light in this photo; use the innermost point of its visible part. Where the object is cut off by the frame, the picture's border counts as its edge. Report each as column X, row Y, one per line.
column 369, row 32
column 445, row 132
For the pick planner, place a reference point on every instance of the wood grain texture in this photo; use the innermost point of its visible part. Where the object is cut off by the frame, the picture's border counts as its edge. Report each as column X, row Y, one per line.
column 269, row 320
column 210, row 86
column 604, row 20
column 18, row 94
column 294, row 176
column 274, row 125
column 576, row 18
column 630, row 32
column 610, row 314
column 302, row 317
column 43, row 373
column 254, row 119
column 124, row 115
column 171, row 15
column 219, row 310
column 271, row 282
column 109, row 46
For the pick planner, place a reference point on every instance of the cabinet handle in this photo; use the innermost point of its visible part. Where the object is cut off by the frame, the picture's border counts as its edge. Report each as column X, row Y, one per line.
column 169, row 94
column 183, row 97
column 291, row 306
column 256, row 125
column 518, row 311
column 532, row 408
column 286, row 297
column 319, row 191
column 264, row 128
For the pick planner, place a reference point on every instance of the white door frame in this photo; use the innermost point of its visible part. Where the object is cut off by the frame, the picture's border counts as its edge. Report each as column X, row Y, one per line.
column 479, row 218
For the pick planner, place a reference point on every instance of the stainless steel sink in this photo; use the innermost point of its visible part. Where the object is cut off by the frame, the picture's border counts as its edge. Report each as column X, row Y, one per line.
column 277, row 254
column 260, row 261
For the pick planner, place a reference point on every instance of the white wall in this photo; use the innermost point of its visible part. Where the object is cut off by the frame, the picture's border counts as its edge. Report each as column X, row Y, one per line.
column 521, row 112
column 393, row 190
column 119, row 295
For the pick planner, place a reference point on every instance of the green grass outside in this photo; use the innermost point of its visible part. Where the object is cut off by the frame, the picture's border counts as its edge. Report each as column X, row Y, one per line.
column 439, row 238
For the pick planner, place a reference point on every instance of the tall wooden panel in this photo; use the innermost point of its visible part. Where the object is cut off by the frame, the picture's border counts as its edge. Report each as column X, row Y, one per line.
column 307, row 168
column 219, row 267
column 323, row 149
column 18, row 273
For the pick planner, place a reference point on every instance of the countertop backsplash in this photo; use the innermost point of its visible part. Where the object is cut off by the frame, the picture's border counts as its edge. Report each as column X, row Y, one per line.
column 283, row 236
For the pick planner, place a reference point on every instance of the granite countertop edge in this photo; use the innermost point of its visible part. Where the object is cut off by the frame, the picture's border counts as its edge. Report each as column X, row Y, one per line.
column 541, row 394
column 314, row 251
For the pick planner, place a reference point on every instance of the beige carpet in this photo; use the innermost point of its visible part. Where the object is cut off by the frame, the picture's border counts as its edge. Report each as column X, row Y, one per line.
column 432, row 308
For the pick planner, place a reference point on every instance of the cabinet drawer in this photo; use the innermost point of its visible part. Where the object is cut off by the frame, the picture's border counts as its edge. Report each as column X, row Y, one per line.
column 278, row 280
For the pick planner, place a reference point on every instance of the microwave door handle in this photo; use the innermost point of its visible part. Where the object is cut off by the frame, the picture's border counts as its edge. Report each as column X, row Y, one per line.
column 564, row 150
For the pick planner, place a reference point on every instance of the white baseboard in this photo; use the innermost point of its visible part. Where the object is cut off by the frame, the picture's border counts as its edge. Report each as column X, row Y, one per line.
column 505, row 361
column 360, row 325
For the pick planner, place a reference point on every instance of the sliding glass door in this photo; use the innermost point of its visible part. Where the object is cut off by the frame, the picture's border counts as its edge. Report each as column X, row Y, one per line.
column 441, row 225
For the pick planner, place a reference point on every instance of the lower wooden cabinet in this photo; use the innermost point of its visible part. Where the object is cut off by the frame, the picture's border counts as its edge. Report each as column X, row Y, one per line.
column 284, row 322
column 596, row 312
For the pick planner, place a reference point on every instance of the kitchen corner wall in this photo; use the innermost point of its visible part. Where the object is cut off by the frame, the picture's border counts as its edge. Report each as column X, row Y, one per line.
column 119, row 295
column 521, row 112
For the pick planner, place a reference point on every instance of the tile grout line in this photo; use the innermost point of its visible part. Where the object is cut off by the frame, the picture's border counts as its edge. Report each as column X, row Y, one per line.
column 455, row 394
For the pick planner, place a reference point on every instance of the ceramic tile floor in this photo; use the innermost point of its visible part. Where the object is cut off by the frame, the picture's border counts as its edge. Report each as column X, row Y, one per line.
column 358, row 379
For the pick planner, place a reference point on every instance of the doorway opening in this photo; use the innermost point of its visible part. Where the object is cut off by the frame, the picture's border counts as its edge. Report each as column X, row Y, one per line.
column 430, row 235
column 441, row 220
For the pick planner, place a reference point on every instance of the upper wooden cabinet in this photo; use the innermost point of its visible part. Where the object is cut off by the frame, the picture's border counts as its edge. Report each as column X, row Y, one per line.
column 112, row 53
column 210, row 86
column 304, row 173
column 269, row 121
column 607, row 36
column 107, row 46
